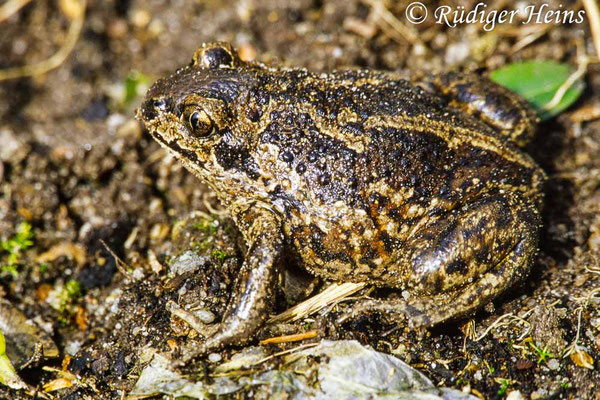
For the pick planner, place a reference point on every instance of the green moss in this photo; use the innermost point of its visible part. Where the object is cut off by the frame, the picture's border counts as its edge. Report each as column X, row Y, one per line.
column 43, row 268
column 503, row 387
column 205, row 226
column 68, row 294
column 12, row 248
column 73, row 288
column 201, row 247
column 219, row 255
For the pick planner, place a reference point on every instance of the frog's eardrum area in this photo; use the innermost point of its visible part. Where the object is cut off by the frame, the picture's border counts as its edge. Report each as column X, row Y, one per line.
column 368, row 177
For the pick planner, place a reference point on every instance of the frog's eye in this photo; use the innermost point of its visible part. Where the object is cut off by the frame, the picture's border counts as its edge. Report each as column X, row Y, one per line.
column 200, row 123
column 215, row 55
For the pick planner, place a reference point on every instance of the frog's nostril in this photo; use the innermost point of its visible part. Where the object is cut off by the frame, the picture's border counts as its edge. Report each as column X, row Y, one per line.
column 153, row 107
column 149, row 111
column 159, row 104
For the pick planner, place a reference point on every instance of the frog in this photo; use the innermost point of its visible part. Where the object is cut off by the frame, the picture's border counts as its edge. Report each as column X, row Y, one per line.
column 420, row 185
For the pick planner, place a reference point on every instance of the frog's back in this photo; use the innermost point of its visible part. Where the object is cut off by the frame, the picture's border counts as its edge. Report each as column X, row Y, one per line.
column 355, row 136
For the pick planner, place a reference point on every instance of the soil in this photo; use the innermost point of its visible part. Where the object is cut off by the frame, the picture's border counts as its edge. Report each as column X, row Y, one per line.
column 111, row 212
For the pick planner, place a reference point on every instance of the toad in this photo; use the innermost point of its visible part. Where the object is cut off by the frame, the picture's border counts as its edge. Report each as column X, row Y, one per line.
column 362, row 176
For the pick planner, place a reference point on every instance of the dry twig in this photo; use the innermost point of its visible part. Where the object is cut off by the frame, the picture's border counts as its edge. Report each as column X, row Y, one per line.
column 386, row 20
column 281, row 353
column 290, row 338
column 121, row 265
column 571, row 80
column 584, row 302
column 529, row 38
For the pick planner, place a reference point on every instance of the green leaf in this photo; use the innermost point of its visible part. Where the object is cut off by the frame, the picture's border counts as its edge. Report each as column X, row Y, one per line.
column 8, row 375
column 537, row 82
column 73, row 288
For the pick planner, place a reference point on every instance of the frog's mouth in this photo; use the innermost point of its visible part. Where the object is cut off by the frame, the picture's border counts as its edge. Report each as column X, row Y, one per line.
column 150, row 118
column 175, row 148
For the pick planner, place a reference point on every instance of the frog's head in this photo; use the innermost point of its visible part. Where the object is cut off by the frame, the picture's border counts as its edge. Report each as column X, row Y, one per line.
column 198, row 112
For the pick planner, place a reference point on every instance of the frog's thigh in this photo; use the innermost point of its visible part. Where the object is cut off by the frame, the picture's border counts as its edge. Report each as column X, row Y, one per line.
column 464, row 260
column 465, row 243
column 434, row 309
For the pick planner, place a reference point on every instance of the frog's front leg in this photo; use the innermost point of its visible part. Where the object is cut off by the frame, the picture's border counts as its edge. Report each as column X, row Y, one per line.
column 253, row 289
column 461, row 261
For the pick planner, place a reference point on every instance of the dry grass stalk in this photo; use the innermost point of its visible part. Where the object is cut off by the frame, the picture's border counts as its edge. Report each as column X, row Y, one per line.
column 593, row 15
column 10, row 8
column 391, row 25
column 332, row 294
column 56, row 59
column 290, row 338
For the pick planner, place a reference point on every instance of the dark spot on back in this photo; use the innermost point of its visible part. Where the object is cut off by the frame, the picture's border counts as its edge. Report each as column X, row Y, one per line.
column 457, row 266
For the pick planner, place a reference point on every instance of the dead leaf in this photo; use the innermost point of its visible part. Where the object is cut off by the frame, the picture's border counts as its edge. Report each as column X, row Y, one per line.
column 68, row 249
column 582, row 359
column 57, row 384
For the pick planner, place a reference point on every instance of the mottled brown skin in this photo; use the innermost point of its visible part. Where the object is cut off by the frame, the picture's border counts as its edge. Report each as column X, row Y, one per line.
column 364, row 176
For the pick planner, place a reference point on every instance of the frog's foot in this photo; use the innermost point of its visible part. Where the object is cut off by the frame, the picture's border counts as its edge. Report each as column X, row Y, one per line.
column 414, row 314
column 428, row 311
column 504, row 111
column 464, row 261
column 227, row 333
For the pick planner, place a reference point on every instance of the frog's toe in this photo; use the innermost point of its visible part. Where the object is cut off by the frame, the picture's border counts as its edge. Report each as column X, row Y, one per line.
column 211, row 344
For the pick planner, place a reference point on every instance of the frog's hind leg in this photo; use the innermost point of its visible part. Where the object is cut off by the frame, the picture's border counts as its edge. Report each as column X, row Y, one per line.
column 430, row 310
column 462, row 262
column 503, row 110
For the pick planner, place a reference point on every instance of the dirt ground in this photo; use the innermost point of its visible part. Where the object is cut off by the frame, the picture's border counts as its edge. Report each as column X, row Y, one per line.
column 78, row 169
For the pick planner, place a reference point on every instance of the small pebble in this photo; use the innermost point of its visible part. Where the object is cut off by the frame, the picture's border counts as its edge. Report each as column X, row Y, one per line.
column 13, row 150
column 553, row 364
column 138, row 274
column 214, row 357
column 515, row 395
column 205, row 316
column 117, row 29
column 456, row 52
column 187, row 262
column 539, row 394
column 140, row 18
